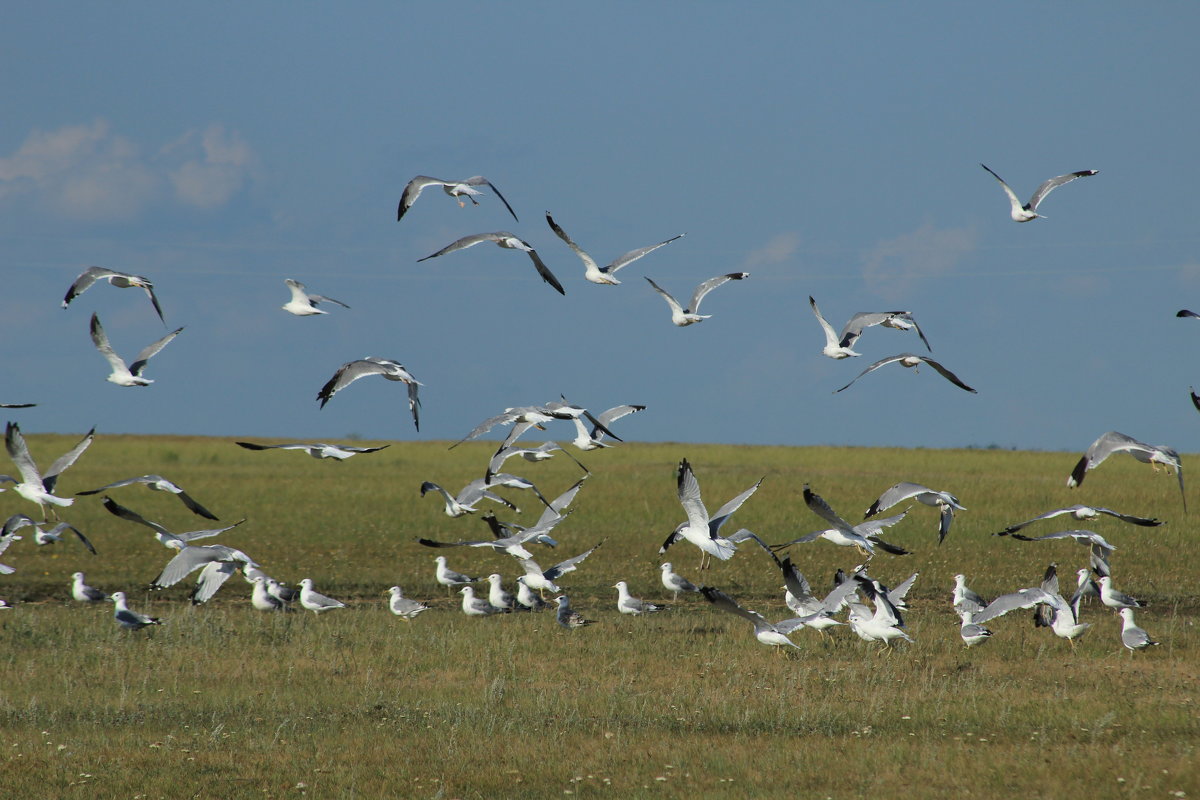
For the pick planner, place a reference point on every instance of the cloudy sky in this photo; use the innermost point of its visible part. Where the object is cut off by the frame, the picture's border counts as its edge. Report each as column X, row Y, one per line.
column 830, row 150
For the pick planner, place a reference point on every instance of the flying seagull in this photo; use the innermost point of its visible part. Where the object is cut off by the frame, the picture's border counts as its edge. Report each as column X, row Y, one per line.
column 1085, row 514
column 594, row 439
column 351, row 371
column 36, row 486
column 316, row 449
column 775, row 635
column 122, row 280
column 456, row 189
column 839, row 346
column 944, row 502
column 682, row 317
column 1114, row 442
column 1065, row 621
column 17, row 405
column 542, row 580
column 304, row 304
column 1100, row 550
column 43, row 537
column 914, row 361
column 508, row 241
column 464, row 502
column 159, row 484
column 701, row 529
column 131, row 375
column 1028, row 211
column 533, row 454
column 164, row 536
column 522, row 418
column 216, row 562
column 864, row 536
column 596, row 273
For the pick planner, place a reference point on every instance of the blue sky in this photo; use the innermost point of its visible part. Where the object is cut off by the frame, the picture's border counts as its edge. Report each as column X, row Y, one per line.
column 827, row 149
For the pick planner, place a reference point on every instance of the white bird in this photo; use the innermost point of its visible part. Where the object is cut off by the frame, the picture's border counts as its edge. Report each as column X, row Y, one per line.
column 682, row 317
column 628, row 604
column 36, row 486
column 84, row 593
column 130, row 620
column 1027, row 211
column 122, row 280
column 527, row 598
column 966, row 600
column 122, row 374
column 304, row 304
column 522, row 418
column 864, row 535
column 542, row 452
column 972, row 633
column 542, row 580
column 884, row 625
column 1113, row 598
column 402, row 606
column 317, row 449
column 456, row 189
column 912, row 361
column 5, row 543
column 944, row 502
column 1114, row 442
column 351, row 371
column 604, row 275
column 1132, row 636
column 262, row 599
column 216, row 562
column 513, row 545
column 594, row 439
column 1086, row 514
column 567, row 617
column 700, row 529
column 497, row 596
column 676, row 583
column 509, row 242
column 474, row 606
column 773, row 634
column 315, row 601
column 816, row 613
column 164, row 536
column 283, row 594
column 468, row 498
column 840, row 345
column 158, row 483
column 1099, row 549
column 44, row 537
column 1065, row 622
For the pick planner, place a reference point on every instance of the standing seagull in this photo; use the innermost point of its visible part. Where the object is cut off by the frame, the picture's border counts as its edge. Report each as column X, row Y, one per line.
column 508, row 241
column 1028, row 211
column 315, row 601
column 914, row 361
column 448, row 577
column 35, row 486
column 676, row 583
column 84, row 593
column 1132, row 636
column 634, row 606
column 1113, row 598
column 351, row 371
column 159, row 484
column 1114, row 442
column 682, row 317
column 944, row 502
column 304, row 304
column 456, row 189
column 598, row 274
column 127, row 619
column 568, row 617
column 402, row 606
column 131, row 375
column 122, row 280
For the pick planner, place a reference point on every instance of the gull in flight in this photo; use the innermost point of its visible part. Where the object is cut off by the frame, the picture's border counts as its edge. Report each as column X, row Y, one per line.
column 122, row 280
column 700, row 529
column 1132, row 636
column 634, row 606
column 772, row 634
column 315, row 601
column 128, row 619
column 944, row 502
column 402, row 606
column 542, row 452
column 43, row 537
column 164, row 536
column 456, row 189
column 158, row 483
column 682, row 317
column 464, row 502
column 509, row 242
column 316, row 449
column 864, row 536
column 216, row 563
column 474, row 606
column 1101, row 551
column 816, row 613
column 542, row 580
column 130, row 375
column 304, row 304
column 593, row 440
column 1028, row 211
column 596, row 273
column 522, row 418
column 1113, row 598
column 1086, row 514
column 5, row 543
column 567, row 617
column 1114, row 442
column 839, row 346
column 1065, row 623
column 84, row 593
column 351, row 371
column 448, row 577
column 34, row 485
column 913, row 361
column 676, row 583
column 884, row 625
column 513, row 545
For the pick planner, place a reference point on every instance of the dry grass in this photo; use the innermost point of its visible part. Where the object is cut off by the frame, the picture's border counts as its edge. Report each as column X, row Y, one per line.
column 223, row 701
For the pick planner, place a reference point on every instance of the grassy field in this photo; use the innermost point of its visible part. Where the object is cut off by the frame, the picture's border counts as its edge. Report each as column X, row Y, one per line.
column 223, row 701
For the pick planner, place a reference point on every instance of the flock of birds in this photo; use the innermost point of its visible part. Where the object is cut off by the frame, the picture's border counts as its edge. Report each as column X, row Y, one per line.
column 874, row 611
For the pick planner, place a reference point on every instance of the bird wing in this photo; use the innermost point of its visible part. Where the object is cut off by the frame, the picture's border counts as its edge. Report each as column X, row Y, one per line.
column 1054, row 183
column 615, row 413
column 544, row 271
column 559, row 504
column 872, row 527
column 413, row 189
column 467, row 241
column 100, row 339
column 18, row 451
column 726, row 603
column 570, row 565
column 671, row 301
column 635, row 254
column 121, row 511
column 60, row 464
column 901, row 491
column 818, row 506
column 795, row 581
column 726, row 511
column 1102, row 448
column 856, row 324
column 947, row 374
column 831, row 338
column 1012, row 196
column 709, row 285
column 139, row 363
column 191, row 536
column 211, row 578
column 479, row 180
column 689, row 497
column 588, row 261
column 84, row 282
column 881, row 362
column 1022, row 598
column 347, row 374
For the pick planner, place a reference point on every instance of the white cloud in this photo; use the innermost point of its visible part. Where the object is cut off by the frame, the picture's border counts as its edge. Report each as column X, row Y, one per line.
column 778, row 249
column 213, row 177
column 891, row 268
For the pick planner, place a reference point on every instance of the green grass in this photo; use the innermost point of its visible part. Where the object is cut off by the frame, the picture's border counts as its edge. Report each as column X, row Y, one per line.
column 223, row 701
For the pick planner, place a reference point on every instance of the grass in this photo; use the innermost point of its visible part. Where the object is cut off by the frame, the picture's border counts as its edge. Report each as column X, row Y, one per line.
column 223, row 701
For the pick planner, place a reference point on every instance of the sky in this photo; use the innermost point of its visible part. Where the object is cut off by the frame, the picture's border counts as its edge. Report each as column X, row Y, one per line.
column 830, row 150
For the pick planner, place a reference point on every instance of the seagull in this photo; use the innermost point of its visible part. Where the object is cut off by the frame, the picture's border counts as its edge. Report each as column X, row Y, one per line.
column 1065, row 623
column 884, row 625
column 972, row 633
column 598, row 274
column 5, row 543
column 315, row 601
column 1114, row 442
column 1132, row 636
column 1028, row 211
column 508, row 241
column 628, row 604
column 700, row 529
column 216, row 563
column 965, row 600
column 542, row 580
column 1100, row 549
column 682, row 317
column 1113, row 598
column 676, row 583
column 283, row 594
column 121, row 374
column 522, row 418
column 164, row 536
column 84, row 593
column 527, row 598
column 497, row 596
column 304, row 304
column 130, row 620
column 1086, row 514
column 542, row 452
column 914, row 361
column 262, row 599
column 35, row 486
column 799, row 598
column 513, row 545
column 773, row 634
column 456, row 189
column 1086, row 586
column 159, row 484
column 351, row 371
column 122, row 280
column 448, row 577
column 944, row 502
column 402, row 606
column 474, row 606
column 43, row 537
column 317, row 449
column 464, row 502
column 839, row 346
column 567, row 617
column 864, row 536
column 593, row 440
